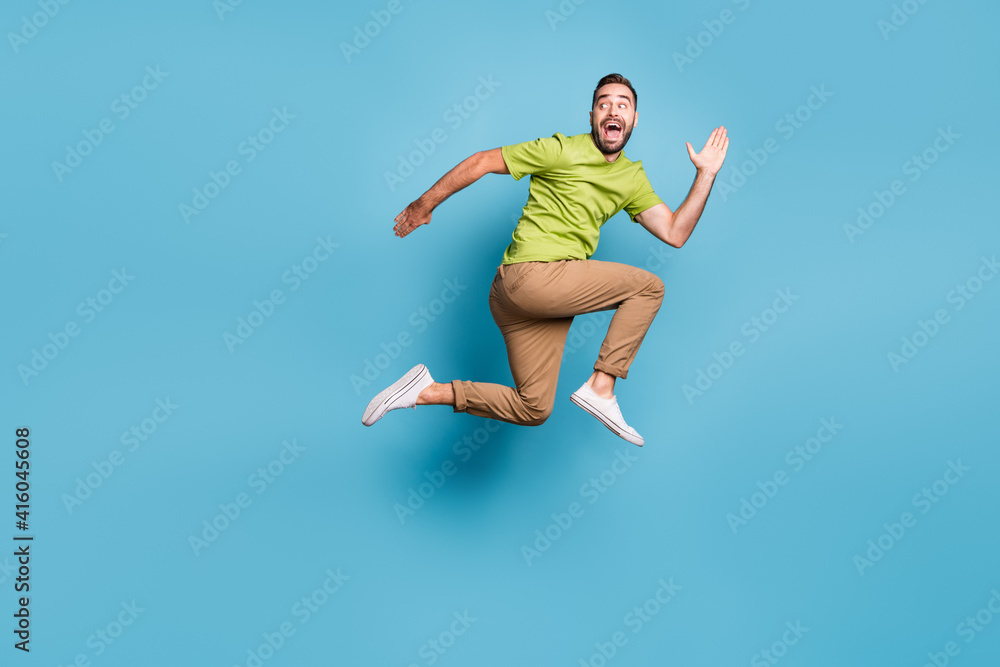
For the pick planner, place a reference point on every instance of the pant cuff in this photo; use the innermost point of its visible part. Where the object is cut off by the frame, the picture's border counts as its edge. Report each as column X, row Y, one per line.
column 610, row 370
column 460, row 403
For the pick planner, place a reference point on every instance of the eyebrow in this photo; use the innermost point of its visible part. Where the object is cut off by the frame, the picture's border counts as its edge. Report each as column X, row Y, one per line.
column 621, row 97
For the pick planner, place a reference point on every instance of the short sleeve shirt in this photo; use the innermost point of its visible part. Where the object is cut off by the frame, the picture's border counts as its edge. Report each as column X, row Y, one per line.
column 572, row 193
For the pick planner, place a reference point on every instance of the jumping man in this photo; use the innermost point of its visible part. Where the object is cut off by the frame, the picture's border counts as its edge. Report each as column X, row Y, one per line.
column 547, row 277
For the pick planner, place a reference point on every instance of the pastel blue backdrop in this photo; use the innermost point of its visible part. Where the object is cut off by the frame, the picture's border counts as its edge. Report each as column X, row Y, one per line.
column 202, row 489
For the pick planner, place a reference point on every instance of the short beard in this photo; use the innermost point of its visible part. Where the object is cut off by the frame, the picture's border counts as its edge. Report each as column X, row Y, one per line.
column 604, row 147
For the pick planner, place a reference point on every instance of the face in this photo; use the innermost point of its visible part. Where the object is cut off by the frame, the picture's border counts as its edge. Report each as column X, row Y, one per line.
column 613, row 118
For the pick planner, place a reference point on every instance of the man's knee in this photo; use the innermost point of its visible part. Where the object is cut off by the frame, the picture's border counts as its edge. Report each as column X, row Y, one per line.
column 535, row 412
column 655, row 287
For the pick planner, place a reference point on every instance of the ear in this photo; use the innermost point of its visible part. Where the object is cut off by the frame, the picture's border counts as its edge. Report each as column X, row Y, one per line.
column 635, row 120
column 591, row 123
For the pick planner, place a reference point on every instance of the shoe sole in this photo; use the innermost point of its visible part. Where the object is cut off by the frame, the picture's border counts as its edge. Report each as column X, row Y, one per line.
column 379, row 405
column 628, row 437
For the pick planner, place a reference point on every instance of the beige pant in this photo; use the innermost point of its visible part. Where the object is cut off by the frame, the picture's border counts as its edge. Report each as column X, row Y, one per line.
column 534, row 303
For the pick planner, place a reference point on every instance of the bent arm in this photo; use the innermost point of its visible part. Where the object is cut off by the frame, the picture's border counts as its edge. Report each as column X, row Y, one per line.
column 464, row 174
column 674, row 227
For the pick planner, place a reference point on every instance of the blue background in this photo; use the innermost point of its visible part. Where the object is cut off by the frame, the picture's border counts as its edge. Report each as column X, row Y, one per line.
column 300, row 377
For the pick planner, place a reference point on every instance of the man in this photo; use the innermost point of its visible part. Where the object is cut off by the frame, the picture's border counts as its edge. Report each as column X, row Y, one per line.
column 547, row 277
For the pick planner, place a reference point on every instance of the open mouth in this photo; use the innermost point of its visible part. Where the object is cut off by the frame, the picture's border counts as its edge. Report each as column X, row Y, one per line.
column 613, row 130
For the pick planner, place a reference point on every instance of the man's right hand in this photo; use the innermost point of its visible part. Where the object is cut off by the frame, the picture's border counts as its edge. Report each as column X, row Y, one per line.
column 413, row 216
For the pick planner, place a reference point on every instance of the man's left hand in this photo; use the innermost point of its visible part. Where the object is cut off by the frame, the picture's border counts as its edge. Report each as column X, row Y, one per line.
column 713, row 154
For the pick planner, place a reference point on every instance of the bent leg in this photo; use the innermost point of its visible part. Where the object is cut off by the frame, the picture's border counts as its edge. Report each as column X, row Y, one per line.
column 574, row 287
column 631, row 321
column 534, row 350
column 534, row 304
column 534, row 343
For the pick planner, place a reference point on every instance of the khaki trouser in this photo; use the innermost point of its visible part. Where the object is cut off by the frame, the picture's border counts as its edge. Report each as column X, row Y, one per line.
column 534, row 303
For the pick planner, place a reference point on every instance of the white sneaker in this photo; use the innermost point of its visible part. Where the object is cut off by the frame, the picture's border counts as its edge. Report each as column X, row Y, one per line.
column 606, row 410
column 400, row 394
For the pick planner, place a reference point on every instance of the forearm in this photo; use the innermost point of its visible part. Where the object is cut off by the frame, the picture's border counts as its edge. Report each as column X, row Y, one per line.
column 688, row 213
column 464, row 174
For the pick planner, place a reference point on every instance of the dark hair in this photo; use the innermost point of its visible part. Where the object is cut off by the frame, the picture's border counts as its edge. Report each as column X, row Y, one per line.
column 615, row 78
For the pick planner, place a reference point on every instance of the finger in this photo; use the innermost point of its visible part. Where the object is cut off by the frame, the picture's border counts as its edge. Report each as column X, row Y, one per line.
column 721, row 138
column 715, row 138
column 690, row 149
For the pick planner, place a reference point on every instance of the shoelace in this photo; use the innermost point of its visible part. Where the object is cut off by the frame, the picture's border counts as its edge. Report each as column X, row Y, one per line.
column 621, row 418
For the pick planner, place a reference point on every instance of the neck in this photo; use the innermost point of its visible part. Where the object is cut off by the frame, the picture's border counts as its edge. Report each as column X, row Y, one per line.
column 608, row 157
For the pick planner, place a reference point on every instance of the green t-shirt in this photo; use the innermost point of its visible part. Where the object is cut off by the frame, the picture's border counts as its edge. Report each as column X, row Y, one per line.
column 573, row 191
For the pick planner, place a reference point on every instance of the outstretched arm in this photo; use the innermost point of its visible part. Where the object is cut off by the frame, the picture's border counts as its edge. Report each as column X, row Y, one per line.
column 675, row 227
column 467, row 172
